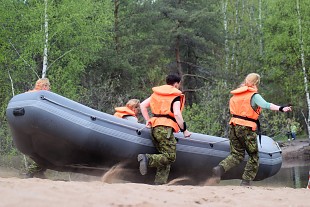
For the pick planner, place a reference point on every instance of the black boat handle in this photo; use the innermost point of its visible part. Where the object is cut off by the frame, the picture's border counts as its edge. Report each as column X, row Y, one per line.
column 19, row 112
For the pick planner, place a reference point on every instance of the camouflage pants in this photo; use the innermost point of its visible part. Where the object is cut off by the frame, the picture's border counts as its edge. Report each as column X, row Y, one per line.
column 165, row 143
column 242, row 139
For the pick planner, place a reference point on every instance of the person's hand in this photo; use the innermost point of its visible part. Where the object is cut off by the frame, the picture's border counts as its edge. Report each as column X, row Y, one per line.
column 287, row 108
column 186, row 133
column 148, row 124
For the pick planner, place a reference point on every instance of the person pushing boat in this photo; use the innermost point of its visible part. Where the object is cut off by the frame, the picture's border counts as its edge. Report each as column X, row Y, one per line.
column 245, row 107
column 166, row 103
column 34, row 169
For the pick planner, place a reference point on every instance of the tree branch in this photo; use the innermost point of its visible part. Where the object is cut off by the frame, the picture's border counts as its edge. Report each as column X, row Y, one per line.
column 59, row 58
column 23, row 59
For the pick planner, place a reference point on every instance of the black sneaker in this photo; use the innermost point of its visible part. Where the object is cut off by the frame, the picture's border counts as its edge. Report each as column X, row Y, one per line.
column 245, row 183
column 143, row 160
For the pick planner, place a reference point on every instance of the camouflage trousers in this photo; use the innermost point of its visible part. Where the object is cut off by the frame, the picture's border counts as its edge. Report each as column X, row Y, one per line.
column 165, row 143
column 242, row 139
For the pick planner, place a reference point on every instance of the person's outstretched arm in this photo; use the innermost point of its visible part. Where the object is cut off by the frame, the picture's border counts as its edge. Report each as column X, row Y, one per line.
column 260, row 101
column 280, row 108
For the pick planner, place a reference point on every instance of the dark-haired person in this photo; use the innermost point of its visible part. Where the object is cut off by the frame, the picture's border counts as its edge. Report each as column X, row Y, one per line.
column 166, row 104
column 245, row 107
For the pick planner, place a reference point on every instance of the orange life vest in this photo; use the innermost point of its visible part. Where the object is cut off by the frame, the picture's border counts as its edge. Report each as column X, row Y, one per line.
column 161, row 105
column 241, row 109
column 124, row 111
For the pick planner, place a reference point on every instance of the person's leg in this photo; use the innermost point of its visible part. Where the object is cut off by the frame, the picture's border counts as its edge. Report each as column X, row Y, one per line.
column 293, row 134
column 237, row 148
column 162, row 174
column 167, row 153
column 143, row 159
column 252, row 165
column 288, row 134
column 237, row 152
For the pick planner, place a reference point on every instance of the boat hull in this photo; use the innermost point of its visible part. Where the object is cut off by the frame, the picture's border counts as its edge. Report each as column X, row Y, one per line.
column 64, row 135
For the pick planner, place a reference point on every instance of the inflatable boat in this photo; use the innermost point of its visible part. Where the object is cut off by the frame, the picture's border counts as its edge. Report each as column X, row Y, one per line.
column 63, row 135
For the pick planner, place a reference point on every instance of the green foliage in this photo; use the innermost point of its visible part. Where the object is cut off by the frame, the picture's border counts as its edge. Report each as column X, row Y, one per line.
column 102, row 55
column 210, row 116
column 273, row 123
column 6, row 142
column 202, row 120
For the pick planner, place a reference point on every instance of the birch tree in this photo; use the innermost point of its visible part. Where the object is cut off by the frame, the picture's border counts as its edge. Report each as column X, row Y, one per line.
column 44, row 68
column 225, row 22
column 303, row 64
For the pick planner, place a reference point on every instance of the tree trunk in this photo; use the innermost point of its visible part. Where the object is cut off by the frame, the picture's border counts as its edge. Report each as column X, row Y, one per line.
column 234, row 60
column 44, row 69
column 177, row 55
column 224, row 9
column 116, row 22
column 302, row 54
column 260, row 28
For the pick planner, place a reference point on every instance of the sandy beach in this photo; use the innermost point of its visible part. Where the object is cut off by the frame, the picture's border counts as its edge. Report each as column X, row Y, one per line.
column 43, row 192
column 89, row 191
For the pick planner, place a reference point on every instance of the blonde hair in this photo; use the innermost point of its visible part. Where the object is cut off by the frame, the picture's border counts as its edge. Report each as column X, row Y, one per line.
column 252, row 79
column 133, row 104
column 41, row 83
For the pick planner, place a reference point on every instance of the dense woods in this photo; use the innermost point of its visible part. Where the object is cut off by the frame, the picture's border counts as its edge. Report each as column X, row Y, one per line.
column 104, row 52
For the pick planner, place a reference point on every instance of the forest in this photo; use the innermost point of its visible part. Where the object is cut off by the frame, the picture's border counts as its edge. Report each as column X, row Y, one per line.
column 101, row 53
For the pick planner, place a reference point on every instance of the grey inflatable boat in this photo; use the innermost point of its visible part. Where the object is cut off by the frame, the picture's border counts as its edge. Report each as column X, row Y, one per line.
column 63, row 135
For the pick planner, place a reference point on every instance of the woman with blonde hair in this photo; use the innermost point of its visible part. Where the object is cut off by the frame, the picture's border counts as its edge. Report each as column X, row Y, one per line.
column 130, row 111
column 34, row 169
column 41, row 84
column 245, row 107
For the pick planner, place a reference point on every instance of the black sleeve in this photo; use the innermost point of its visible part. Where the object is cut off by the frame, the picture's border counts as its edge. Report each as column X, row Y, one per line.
column 174, row 100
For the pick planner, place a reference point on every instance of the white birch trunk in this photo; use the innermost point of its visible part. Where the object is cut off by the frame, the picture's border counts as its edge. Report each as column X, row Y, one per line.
column 224, row 8
column 44, row 69
column 302, row 54
column 12, row 84
column 236, row 27
column 260, row 27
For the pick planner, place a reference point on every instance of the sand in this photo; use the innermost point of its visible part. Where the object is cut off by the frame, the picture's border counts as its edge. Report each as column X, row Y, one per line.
column 87, row 191
column 44, row 192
